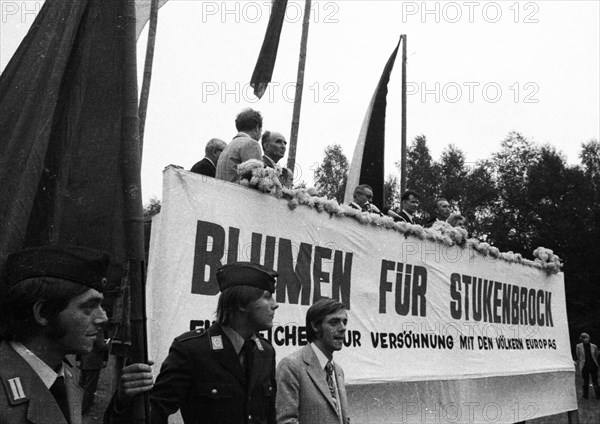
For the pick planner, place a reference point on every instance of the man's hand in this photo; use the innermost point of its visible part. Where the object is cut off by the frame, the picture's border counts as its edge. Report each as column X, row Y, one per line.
column 135, row 379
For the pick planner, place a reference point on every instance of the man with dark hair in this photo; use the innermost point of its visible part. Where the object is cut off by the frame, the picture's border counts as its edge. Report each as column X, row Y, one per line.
column 409, row 202
column 310, row 386
column 243, row 147
column 212, row 151
column 441, row 212
column 274, row 145
column 363, row 194
column 50, row 307
column 225, row 374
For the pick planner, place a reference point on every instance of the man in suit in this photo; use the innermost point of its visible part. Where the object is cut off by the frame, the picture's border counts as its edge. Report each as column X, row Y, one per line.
column 310, row 386
column 223, row 375
column 274, row 145
column 440, row 213
column 243, row 147
column 50, row 307
column 587, row 359
column 362, row 196
column 409, row 203
column 212, row 151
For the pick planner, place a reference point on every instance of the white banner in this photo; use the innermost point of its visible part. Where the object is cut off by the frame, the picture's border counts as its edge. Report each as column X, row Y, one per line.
column 419, row 312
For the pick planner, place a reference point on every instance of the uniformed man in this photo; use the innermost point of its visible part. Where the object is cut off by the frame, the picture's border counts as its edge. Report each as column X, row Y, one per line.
column 50, row 306
column 224, row 375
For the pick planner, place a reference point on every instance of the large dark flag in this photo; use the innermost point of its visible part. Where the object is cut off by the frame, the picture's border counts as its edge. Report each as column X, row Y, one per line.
column 367, row 165
column 263, row 71
column 70, row 154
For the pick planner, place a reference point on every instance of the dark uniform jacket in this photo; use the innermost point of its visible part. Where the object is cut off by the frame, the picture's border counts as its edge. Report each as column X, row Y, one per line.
column 203, row 376
column 25, row 399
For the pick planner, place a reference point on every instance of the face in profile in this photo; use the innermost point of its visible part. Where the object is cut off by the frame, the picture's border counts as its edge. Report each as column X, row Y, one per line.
column 262, row 311
column 78, row 324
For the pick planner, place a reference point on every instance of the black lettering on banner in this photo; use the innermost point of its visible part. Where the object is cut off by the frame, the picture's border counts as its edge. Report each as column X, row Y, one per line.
column 207, row 233
column 320, row 276
column 515, row 305
column 342, row 277
column 455, row 304
column 292, row 281
column 409, row 279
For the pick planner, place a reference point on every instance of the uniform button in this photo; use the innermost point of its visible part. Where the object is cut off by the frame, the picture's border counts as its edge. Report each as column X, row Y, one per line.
column 214, row 391
column 249, row 417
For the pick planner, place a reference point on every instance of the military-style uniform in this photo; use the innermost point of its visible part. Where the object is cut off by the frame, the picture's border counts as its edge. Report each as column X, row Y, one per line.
column 203, row 377
column 25, row 399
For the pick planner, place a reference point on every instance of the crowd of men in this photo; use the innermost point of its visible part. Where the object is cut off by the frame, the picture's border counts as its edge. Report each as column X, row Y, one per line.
column 221, row 160
column 51, row 307
column 409, row 204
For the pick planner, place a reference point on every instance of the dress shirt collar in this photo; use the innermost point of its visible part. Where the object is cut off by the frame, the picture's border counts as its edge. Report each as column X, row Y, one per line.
column 238, row 341
column 323, row 360
column 269, row 162
column 46, row 374
column 209, row 159
column 407, row 214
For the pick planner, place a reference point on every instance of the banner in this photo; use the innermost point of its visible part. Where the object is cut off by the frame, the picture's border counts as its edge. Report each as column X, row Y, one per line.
column 433, row 330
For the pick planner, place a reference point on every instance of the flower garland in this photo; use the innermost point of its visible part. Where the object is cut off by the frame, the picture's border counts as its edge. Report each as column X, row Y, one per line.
column 254, row 174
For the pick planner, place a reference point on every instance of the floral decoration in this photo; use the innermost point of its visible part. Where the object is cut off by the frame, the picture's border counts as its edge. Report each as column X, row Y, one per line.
column 254, row 174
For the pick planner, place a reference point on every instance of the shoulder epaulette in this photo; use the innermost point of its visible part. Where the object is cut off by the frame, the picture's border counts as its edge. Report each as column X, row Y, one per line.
column 262, row 339
column 191, row 335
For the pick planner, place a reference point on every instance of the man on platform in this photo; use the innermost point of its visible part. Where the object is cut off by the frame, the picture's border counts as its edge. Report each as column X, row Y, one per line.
column 212, row 151
column 243, row 147
column 441, row 212
column 225, row 374
column 310, row 386
column 274, row 145
column 587, row 359
column 409, row 204
column 50, row 307
column 363, row 194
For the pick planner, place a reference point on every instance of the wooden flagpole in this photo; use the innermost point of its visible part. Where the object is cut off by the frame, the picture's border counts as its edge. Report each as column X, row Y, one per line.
column 403, row 152
column 145, row 93
column 291, row 163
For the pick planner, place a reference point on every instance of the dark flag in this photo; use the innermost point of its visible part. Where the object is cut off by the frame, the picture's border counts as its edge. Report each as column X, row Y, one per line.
column 263, row 71
column 70, row 154
column 367, row 161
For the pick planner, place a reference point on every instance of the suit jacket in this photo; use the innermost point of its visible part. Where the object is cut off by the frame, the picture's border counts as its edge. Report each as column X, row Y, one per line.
column 24, row 398
column 241, row 149
column 405, row 217
column 303, row 395
column 204, row 167
column 581, row 354
column 202, row 376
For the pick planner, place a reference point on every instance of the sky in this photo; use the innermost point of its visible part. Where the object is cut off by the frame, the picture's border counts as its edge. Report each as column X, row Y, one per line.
column 476, row 70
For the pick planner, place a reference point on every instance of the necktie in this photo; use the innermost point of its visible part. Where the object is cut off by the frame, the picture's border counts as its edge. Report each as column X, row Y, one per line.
column 247, row 355
column 329, row 370
column 59, row 391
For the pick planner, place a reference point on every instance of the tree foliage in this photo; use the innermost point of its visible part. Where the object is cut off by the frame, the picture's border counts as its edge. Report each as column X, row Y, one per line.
column 332, row 174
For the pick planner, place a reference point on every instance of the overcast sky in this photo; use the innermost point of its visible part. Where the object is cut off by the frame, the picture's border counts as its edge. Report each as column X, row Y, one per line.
column 476, row 71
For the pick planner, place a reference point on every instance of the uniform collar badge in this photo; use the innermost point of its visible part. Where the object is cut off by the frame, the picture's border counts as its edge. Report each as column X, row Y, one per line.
column 14, row 390
column 216, row 342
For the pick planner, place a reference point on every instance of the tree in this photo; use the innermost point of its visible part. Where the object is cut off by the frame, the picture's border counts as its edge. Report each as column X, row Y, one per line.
column 391, row 190
column 421, row 173
column 332, row 174
column 452, row 175
column 152, row 208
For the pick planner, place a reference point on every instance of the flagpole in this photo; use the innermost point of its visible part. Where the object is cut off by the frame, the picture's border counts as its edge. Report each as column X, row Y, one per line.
column 299, row 87
column 145, row 92
column 403, row 152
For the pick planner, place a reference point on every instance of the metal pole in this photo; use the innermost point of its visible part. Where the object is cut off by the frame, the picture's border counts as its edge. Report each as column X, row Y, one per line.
column 299, row 86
